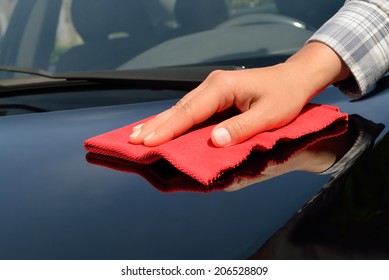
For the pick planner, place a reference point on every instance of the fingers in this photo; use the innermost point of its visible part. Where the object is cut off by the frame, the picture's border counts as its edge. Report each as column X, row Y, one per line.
column 194, row 108
column 140, row 132
column 265, row 96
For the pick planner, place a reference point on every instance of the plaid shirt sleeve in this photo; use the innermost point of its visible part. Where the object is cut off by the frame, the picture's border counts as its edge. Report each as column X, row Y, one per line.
column 359, row 34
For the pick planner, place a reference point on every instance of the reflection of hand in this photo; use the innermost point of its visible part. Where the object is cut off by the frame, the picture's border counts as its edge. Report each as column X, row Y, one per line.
column 267, row 97
column 317, row 158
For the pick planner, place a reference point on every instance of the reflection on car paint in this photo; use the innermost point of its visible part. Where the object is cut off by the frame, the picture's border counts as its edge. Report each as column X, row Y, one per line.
column 323, row 147
column 349, row 218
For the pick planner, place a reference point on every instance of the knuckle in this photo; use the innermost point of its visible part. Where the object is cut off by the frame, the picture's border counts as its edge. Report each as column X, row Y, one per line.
column 184, row 111
column 188, row 112
column 180, row 103
column 221, row 76
column 215, row 73
column 239, row 129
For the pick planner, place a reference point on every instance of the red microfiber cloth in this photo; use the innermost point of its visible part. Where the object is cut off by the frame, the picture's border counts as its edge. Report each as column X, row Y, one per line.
column 194, row 154
column 166, row 178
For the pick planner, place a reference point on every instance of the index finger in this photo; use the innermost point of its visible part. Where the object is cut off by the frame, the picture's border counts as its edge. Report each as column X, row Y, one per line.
column 140, row 131
column 198, row 106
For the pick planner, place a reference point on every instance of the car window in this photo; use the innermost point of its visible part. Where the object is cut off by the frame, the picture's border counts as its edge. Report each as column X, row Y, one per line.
column 90, row 35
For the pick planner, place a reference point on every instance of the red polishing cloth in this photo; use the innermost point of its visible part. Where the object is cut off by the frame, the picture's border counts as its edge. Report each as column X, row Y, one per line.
column 194, row 154
column 166, row 178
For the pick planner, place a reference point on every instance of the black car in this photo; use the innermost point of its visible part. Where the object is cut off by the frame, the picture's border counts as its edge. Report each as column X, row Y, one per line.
column 73, row 69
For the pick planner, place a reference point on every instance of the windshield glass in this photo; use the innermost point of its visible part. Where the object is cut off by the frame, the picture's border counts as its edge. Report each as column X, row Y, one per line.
column 6, row 10
column 93, row 35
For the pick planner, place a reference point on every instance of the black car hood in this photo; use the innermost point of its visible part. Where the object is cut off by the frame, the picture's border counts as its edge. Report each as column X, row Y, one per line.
column 54, row 204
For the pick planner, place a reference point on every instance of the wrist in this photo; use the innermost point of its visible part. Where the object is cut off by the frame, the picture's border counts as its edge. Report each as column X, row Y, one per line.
column 319, row 66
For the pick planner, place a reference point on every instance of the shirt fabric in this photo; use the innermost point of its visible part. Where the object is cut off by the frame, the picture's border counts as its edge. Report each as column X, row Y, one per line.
column 359, row 34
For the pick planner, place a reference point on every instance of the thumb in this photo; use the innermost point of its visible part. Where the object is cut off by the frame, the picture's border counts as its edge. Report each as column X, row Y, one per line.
column 233, row 131
column 245, row 125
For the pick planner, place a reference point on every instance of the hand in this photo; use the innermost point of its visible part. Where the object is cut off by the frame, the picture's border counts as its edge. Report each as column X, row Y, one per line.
column 268, row 98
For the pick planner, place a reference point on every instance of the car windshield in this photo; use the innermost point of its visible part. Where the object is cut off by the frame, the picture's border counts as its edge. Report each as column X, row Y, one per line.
column 95, row 35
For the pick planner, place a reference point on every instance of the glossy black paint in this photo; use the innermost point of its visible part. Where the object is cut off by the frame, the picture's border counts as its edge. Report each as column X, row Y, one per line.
column 56, row 205
column 347, row 220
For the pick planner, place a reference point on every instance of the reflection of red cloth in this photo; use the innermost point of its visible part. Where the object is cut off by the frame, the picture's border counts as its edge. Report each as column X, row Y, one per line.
column 193, row 152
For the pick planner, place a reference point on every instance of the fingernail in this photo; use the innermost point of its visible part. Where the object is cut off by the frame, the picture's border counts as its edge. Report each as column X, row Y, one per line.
column 222, row 137
column 148, row 137
column 135, row 133
column 137, row 127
